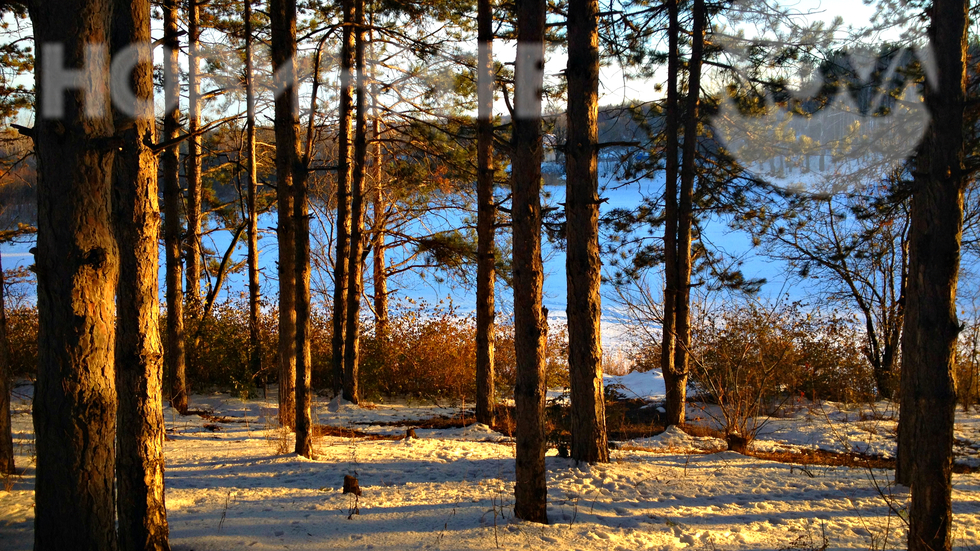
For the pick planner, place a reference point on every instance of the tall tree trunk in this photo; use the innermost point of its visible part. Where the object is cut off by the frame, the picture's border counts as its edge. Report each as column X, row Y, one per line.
column 675, row 389
column 583, row 265
column 6, row 378
column 283, row 29
column 254, row 343
column 301, row 218
column 76, row 264
column 929, row 340
column 176, row 358
column 486, row 219
column 192, row 164
column 345, row 174
column 139, row 354
column 283, row 19
column 685, row 218
column 530, row 319
column 378, row 248
column 355, row 261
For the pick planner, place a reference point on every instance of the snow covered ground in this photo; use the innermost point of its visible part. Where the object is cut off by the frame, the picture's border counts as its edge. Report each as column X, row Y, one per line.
column 228, row 488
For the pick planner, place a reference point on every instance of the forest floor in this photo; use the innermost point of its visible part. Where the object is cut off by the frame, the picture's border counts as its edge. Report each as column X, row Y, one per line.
column 231, row 485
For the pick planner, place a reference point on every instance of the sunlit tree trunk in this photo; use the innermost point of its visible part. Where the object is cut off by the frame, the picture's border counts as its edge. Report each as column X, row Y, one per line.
column 583, row 265
column 139, row 354
column 355, row 260
column 192, row 164
column 931, row 327
column 77, row 266
column 254, row 343
column 685, row 219
column 486, row 219
column 530, row 319
column 675, row 388
column 378, row 247
column 283, row 18
column 176, row 357
column 283, row 31
column 345, row 173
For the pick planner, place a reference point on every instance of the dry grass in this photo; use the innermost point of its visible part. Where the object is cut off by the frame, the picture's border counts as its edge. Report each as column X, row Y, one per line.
column 701, row 431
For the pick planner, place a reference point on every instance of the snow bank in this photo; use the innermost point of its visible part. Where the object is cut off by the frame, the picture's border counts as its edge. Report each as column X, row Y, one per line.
column 647, row 386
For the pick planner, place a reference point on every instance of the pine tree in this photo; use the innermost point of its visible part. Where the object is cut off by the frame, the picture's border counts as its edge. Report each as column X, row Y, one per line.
column 176, row 359
column 486, row 220
column 283, row 28
column 283, row 20
column 345, row 174
column 583, row 265
column 928, row 385
column 685, row 220
column 530, row 318
column 355, row 259
column 192, row 163
column 77, row 265
column 138, row 353
column 675, row 389
column 252, row 231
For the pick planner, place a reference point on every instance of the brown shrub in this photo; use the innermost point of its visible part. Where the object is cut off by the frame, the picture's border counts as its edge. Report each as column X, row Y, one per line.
column 556, row 358
column 751, row 359
column 22, row 328
column 430, row 353
column 220, row 358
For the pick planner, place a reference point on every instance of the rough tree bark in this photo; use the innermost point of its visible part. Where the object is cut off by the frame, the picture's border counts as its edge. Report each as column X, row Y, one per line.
column 283, row 18
column 139, row 353
column 378, row 246
column 176, row 358
column 675, row 389
column 76, row 264
column 486, row 218
column 345, row 173
column 192, row 164
column 355, row 260
column 530, row 319
column 252, row 231
column 685, row 219
column 583, row 265
column 283, row 30
column 6, row 378
column 931, row 327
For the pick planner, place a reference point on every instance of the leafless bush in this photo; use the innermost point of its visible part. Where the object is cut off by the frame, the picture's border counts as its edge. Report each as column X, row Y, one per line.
column 753, row 358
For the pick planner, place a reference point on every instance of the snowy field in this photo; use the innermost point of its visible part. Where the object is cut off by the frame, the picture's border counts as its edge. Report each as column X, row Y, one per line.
column 229, row 488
